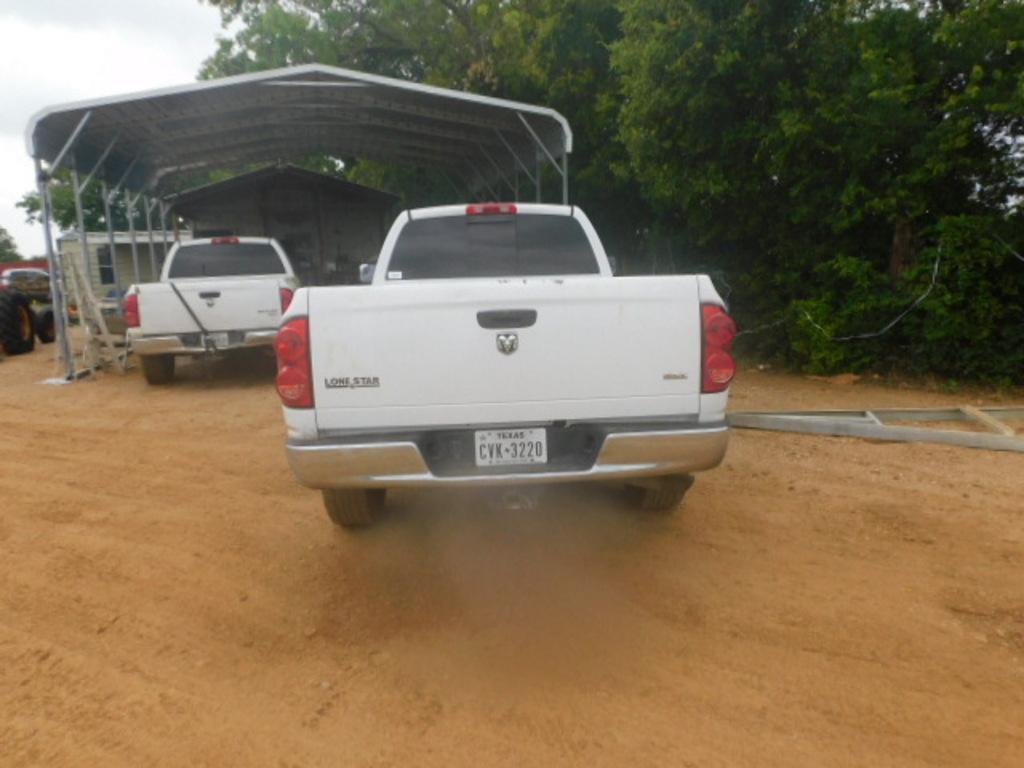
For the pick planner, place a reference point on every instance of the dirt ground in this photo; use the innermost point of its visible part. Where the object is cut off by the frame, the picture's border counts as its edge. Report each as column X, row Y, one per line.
column 170, row 596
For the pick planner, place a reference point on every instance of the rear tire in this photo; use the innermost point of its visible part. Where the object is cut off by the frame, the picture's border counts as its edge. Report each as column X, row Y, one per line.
column 46, row 332
column 17, row 323
column 664, row 494
column 158, row 369
column 354, row 508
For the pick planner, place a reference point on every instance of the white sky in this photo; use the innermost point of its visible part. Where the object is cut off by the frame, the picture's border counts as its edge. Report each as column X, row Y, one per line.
column 54, row 51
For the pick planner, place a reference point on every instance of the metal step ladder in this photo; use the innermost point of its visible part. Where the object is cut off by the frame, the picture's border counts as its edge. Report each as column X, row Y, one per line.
column 99, row 350
column 877, row 424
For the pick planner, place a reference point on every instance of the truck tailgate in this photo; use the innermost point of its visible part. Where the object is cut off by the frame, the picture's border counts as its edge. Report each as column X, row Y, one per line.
column 228, row 304
column 417, row 354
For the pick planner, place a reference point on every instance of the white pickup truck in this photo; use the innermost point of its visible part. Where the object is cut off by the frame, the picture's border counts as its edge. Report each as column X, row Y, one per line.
column 215, row 295
column 494, row 347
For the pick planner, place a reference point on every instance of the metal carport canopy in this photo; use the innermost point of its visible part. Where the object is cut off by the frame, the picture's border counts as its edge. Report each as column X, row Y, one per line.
column 142, row 141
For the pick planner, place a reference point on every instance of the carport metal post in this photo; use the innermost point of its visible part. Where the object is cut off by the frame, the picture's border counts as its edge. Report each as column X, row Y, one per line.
column 539, row 170
column 56, row 291
column 72, row 140
column 482, row 180
column 148, row 204
column 466, row 182
column 565, row 178
column 163, row 231
column 497, row 168
column 56, row 272
column 108, row 199
column 563, row 171
column 79, row 188
column 83, row 237
column 129, row 204
column 515, row 156
column 99, row 163
column 454, row 186
column 110, row 241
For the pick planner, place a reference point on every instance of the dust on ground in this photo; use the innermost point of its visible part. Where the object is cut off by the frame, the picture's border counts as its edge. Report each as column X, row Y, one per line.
column 170, row 596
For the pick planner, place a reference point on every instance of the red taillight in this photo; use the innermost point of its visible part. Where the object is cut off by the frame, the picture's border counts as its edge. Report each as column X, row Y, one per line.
column 292, row 342
column 286, row 298
column 294, row 389
column 224, row 241
column 130, row 310
column 478, row 209
column 717, row 364
column 294, row 376
column 719, row 368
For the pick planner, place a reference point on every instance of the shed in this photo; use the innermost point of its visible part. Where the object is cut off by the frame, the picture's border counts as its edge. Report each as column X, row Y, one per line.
column 327, row 225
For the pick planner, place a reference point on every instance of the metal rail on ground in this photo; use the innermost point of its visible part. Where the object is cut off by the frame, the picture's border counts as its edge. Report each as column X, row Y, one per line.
column 878, row 424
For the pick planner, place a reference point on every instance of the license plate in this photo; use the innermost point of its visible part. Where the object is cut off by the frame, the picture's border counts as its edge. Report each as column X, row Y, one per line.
column 219, row 340
column 504, row 447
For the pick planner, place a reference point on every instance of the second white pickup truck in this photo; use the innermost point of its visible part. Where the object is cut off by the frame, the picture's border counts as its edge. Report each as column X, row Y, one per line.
column 215, row 295
column 495, row 347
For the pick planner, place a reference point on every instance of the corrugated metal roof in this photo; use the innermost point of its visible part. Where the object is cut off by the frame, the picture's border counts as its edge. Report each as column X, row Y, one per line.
column 287, row 113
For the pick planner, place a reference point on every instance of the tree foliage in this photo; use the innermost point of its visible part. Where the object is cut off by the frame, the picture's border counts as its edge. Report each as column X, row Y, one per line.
column 8, row 248
column 827, row 152
column 62, row 197
column 816, row 156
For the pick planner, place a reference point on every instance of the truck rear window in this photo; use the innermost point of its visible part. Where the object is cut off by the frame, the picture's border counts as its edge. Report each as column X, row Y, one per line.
column 497, row 245
column 225, row 260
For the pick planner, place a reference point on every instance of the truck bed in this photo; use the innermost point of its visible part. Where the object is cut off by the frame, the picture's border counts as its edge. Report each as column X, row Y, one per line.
column 220, row 304
column 427, row 354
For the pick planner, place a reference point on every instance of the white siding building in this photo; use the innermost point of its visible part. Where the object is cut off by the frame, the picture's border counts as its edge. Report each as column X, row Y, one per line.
column 117, row 273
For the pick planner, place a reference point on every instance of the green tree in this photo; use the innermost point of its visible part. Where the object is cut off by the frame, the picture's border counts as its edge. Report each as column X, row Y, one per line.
column 558, row 53
column 423, row 41
column 63, row 199
column 821, row 151
column 8, row 248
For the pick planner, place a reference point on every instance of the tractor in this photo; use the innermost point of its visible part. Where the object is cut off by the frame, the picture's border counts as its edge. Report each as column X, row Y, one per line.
column 25, row 311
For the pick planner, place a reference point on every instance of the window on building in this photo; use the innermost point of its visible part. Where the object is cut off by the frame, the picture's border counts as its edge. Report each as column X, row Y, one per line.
column 106, row 264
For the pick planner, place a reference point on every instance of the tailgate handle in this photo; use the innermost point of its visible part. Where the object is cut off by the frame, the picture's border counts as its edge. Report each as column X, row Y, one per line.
column 209, row 295
column 507, row 318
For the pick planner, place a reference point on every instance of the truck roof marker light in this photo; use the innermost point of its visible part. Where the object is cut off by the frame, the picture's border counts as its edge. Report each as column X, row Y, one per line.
column 224, row 241
column 488, row 209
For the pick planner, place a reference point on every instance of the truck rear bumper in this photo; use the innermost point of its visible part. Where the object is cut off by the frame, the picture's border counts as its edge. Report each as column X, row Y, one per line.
column 623, row 455
column 192, row 344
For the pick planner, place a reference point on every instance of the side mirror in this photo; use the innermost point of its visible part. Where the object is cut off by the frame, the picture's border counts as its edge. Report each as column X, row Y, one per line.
column 614, row 264
column 366, row 273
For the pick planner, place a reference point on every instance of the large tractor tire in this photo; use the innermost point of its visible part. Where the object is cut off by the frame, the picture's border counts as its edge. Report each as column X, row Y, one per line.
column 354, row 508
column 158, row 369
column 17, row 323
column 46, row 331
